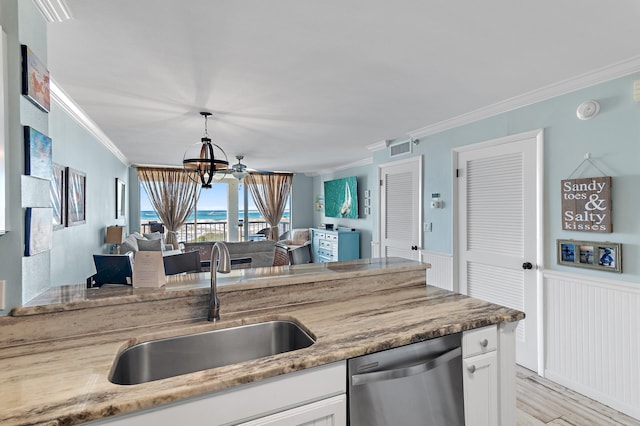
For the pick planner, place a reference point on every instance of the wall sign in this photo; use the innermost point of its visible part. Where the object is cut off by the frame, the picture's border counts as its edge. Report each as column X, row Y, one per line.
column 586, row 204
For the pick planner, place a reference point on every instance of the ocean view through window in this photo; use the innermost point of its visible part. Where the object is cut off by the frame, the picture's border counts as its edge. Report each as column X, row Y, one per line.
column 211, row 221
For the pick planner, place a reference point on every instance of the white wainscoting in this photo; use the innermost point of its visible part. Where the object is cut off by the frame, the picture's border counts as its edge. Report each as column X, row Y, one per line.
column 375, row 249
column 592, row 342
column 441, row 272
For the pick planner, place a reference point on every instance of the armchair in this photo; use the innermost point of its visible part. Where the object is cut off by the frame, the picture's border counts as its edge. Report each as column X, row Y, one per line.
column 182, row 262
column 295, row 237
column 300, row 254
column 112, row 269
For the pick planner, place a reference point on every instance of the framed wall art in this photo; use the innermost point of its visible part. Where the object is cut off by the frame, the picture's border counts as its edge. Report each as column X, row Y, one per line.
column 604, row 256
column 37, row 154
column 120, row 199
column 38, row 230
column 76, row 183
column 57, row 194
column 35, row 80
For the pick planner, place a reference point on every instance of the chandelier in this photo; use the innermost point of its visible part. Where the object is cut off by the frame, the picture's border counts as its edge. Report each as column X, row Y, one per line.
column 205, row 162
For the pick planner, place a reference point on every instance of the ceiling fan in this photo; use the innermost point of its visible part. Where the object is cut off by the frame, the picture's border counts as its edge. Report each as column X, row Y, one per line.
column 239, row 170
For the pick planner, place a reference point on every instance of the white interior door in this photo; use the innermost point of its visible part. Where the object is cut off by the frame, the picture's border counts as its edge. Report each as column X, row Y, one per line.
column 498, row 229
column 401, row 208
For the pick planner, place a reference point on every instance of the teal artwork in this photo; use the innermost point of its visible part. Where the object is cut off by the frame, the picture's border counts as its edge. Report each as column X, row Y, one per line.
column 341, row 198
column 37, row 155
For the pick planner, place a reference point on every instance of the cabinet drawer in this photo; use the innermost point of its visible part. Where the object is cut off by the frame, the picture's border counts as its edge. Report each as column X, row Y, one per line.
column 326, row 244
column 332, row 237
column 318, row 234
column 325, row 252
column 479, row 341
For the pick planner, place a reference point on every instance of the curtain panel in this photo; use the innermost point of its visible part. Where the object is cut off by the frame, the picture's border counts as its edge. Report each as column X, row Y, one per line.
column 270, row 192
column 172, row 194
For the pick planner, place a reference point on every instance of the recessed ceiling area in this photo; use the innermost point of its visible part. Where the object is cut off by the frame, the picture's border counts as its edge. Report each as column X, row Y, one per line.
column 306, row 86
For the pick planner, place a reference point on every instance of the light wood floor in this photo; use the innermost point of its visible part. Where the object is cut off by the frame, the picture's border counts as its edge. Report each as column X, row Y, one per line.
column 542, row 402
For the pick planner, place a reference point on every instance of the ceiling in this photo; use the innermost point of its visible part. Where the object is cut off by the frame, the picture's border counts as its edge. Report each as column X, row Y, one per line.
column 308, row 85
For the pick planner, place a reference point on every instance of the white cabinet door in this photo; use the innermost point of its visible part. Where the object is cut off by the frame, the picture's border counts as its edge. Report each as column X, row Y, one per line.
column 328, row 412
column 480, row 381
column 259, row 401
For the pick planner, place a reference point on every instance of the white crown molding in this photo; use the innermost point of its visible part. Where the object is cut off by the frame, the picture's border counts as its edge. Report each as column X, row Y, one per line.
column 363, row 162
column 611, row 72
column 378, row 145
column 54, row 10
column 67, row 104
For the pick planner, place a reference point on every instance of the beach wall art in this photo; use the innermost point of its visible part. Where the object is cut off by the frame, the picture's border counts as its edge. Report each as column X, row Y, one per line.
column 37, row 154
column 76, row 197
column 57, row 194
column 341, row 198
column 35, row 80
column 38, row 230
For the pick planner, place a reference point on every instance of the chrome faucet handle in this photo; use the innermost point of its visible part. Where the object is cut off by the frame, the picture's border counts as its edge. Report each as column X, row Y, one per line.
column 220, row 262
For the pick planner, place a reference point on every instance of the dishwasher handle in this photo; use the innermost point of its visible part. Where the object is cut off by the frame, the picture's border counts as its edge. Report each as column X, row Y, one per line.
column 399, row 373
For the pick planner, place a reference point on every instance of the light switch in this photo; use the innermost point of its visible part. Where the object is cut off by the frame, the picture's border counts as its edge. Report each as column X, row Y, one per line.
column 427, row 226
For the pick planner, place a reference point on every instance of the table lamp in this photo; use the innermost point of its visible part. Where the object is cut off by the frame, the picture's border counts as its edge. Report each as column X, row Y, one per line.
column 115, row 236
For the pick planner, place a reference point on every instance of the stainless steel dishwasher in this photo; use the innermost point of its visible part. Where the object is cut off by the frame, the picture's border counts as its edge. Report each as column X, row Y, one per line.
column 417, row 384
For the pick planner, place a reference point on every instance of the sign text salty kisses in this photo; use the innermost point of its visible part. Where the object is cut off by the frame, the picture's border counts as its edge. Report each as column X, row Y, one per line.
column 586, row 204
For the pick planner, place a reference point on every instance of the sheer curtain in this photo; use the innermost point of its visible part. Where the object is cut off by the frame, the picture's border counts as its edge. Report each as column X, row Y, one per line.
column 270, row 192
column 173, row 196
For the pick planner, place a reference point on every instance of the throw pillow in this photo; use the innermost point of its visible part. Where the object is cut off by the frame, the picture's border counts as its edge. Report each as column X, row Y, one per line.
column 150, row 245
column 129, row 244
column 153, row 236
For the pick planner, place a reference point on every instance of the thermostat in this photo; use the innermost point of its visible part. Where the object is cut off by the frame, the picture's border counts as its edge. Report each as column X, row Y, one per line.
column 436, row 203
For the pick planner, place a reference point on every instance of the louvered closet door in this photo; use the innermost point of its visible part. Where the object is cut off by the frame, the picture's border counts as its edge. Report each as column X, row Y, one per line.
column 400, row 208
column 497, row 233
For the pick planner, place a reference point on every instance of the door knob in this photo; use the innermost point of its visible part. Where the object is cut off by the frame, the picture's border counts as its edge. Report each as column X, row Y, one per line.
column 414, row 247
column 527, row 265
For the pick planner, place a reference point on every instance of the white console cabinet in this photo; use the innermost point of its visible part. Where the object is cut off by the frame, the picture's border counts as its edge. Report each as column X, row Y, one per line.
column 315, row 396
column 334, row 246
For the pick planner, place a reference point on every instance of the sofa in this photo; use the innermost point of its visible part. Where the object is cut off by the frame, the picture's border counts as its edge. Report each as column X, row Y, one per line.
column 244, row 254
column 153, row 241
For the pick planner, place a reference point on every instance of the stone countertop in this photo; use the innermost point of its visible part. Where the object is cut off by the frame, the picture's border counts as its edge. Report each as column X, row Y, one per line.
column 78, row 296
column 65, row 381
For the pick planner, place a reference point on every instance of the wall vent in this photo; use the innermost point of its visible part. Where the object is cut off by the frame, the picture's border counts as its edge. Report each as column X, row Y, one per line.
column 401, row 148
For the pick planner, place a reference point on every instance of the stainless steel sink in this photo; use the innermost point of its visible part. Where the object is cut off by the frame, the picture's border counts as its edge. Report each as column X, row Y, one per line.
column 159, row 359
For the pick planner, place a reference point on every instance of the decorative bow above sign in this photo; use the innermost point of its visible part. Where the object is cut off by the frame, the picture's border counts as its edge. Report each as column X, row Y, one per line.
column 586, row 204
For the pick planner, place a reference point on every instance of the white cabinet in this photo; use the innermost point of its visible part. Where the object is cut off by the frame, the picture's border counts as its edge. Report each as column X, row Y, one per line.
column 488, row 376
column 480, row 382
column 328, row 412
column 480, row 376
column 316, row 396
column 334, row 246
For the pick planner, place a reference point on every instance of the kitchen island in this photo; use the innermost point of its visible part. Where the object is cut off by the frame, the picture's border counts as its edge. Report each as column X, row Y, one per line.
column 56, row 357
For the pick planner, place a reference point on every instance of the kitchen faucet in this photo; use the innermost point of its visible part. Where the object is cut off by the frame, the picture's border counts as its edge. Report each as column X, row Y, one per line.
column 220, row 262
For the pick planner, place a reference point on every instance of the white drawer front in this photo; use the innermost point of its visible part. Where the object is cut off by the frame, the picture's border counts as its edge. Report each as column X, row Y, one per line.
column 479, row 341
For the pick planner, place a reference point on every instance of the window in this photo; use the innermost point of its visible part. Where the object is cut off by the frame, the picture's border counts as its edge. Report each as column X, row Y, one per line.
column 213, row 215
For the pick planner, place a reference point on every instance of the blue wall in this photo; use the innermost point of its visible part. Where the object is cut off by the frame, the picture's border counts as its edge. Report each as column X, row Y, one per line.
column 300, row 204
column 70, row 259
column 367, row 178
column 612, row 138
column 73, row 247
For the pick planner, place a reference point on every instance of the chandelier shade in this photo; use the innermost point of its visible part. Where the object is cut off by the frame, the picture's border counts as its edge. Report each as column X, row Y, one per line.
column 204, row 161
